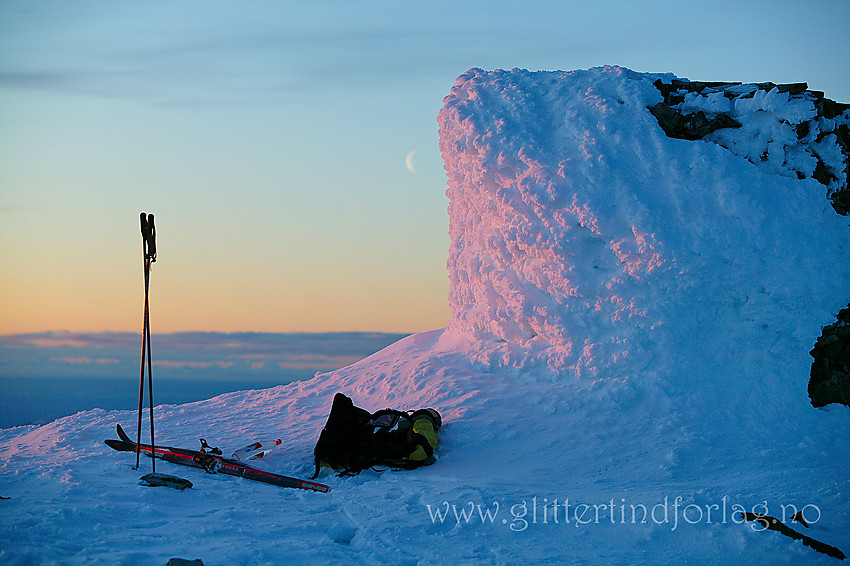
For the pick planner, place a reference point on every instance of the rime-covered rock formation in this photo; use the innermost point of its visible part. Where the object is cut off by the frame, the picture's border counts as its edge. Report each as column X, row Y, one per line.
column 587, row 241
column 787, row 129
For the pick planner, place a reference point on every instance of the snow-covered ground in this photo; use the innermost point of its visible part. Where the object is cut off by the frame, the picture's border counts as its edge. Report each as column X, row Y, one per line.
column 625, row 371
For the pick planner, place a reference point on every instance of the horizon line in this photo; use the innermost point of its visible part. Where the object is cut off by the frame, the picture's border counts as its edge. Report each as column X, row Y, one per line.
column 228, row 332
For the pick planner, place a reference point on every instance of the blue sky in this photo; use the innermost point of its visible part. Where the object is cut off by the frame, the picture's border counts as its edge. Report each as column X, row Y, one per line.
column 270, row 139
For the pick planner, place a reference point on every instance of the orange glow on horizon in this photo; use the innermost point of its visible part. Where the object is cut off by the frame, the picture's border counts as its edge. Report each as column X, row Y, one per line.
column 404, row 304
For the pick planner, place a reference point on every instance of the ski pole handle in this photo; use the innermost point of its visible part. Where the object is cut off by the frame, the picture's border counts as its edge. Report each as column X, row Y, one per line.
column 148, row 235
column 151, row 238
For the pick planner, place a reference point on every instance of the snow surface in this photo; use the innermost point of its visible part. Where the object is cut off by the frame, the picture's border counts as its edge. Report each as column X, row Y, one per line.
column 631, row 320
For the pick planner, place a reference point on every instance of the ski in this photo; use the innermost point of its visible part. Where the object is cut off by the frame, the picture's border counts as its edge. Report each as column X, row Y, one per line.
column 211, row 463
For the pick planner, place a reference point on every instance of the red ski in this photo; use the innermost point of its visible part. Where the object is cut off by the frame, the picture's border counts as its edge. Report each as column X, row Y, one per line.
column 212, row 463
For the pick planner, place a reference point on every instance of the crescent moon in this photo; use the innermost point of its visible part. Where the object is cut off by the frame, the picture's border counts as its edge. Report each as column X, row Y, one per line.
column 408, row 162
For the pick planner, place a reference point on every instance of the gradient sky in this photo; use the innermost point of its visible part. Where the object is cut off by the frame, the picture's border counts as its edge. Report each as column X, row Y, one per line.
column 270, row 140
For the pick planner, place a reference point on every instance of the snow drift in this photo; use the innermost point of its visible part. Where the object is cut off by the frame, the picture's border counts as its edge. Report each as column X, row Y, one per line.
column 581, row 233
column 631, row 320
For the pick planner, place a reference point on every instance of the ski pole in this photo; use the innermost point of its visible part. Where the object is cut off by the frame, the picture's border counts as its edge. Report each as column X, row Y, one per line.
column 149, row 256
column 144, row 222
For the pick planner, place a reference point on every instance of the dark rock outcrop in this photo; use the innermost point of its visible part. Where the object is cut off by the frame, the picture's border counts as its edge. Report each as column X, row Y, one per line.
column 689, row 126
column 815, row 136
column 830, row 375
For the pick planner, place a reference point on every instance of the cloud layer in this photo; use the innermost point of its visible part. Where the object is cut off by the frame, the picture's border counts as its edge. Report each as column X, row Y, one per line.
column 183, row 355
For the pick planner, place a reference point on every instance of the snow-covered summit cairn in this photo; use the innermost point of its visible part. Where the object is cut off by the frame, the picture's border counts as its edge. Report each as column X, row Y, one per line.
column 587, row 242
column 786, row 128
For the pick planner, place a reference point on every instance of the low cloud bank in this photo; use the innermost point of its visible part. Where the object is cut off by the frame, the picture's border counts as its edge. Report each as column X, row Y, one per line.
column 185, row 355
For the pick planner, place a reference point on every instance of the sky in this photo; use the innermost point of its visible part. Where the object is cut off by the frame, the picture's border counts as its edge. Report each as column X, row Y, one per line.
column 289, row 150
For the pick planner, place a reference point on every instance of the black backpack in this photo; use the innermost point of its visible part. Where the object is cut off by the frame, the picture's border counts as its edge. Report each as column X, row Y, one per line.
column 354, row 439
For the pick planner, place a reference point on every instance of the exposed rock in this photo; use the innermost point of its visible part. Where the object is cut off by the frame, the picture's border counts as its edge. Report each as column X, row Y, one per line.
column 694, row 110
column 830, row 375
column 689, row 126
